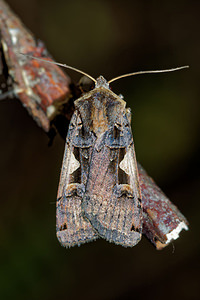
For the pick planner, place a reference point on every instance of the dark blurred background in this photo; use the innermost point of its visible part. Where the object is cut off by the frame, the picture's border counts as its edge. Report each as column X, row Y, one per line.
column 109, row 38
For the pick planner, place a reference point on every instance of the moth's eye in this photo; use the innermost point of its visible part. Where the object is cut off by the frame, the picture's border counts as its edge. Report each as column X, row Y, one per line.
column 85, row 84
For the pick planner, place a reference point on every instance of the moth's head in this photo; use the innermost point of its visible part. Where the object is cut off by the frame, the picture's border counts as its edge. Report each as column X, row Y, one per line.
column 101, row 82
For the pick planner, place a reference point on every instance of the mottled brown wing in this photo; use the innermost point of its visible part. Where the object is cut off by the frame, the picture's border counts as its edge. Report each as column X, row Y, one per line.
column 112, row 199
column 71, row 227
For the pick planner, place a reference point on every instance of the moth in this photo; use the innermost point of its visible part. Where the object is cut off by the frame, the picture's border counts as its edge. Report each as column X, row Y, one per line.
column 99, row 178
column 99, row 191
column 46, row 91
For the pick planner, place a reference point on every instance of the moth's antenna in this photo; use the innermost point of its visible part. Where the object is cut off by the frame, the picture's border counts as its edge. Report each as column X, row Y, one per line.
column 147, row 72
column 62, row 65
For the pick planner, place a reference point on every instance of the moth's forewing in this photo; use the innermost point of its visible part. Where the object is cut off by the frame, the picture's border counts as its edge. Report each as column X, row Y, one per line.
column 112, row 198
column 72, row 229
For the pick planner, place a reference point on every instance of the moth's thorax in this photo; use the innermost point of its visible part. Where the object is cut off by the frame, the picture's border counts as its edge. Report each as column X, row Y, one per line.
column 99, row 109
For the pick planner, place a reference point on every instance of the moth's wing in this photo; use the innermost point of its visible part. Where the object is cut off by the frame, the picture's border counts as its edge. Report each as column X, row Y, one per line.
column 112, row 199
column 71, row 227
